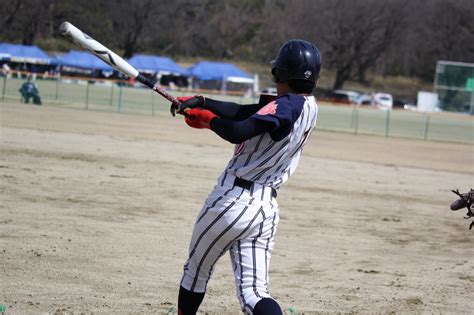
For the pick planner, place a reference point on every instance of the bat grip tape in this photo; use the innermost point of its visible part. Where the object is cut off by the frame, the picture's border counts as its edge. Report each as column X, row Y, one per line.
column 143, row 79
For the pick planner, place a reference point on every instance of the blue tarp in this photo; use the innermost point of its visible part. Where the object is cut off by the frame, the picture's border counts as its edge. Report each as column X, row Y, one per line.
column 24, row 53
column 82, row 59
column 206, row 70
column 147, row 63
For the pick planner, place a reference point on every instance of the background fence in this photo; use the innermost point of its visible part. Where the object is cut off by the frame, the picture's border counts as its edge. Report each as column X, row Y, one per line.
column 114, row 96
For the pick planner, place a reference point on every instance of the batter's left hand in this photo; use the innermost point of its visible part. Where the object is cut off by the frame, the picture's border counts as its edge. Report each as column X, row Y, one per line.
column 199, row 118
column 186, row 102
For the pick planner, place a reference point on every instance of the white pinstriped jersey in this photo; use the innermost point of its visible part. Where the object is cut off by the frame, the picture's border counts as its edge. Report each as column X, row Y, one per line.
column 243, row 221
column 271, row 158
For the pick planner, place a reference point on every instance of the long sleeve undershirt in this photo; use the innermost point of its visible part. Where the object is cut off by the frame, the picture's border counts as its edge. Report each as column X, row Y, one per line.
column 235, row 123
column 232, row 111
column 240, row 131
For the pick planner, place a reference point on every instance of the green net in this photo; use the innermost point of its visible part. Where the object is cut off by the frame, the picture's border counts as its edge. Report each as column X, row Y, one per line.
column 454, row 84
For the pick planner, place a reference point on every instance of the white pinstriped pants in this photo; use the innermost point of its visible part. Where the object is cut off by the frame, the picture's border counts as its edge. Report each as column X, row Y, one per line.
column 242, row 222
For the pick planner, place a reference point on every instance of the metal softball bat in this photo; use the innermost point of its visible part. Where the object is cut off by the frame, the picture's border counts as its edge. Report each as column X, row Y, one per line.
column 112, row 59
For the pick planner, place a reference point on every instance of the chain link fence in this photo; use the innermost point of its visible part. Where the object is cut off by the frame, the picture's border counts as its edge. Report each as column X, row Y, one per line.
column 120, row 96
column 397, row 123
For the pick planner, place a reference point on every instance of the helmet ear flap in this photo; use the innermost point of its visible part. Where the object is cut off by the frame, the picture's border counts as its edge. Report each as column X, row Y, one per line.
column 273, row 71
column 274, row 76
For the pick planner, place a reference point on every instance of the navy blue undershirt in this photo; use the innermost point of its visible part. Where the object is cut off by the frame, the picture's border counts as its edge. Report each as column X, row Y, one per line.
column 235, row 123
column 239, row 131
column 238, row 123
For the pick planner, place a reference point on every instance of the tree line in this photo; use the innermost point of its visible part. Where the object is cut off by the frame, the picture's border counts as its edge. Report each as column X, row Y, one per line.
column 356, row 37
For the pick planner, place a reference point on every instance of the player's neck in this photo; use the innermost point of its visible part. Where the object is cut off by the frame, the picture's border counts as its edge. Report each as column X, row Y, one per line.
column 284, row 88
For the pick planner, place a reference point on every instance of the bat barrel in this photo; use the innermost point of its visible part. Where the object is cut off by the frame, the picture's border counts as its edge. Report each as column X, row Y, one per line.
column 90, row 44
column 111, row 58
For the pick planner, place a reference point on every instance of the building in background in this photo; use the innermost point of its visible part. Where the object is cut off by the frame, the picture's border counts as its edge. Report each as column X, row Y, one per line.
column 454, row 83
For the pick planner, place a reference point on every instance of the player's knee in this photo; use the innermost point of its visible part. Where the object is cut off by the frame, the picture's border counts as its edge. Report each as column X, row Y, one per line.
column 267, row 306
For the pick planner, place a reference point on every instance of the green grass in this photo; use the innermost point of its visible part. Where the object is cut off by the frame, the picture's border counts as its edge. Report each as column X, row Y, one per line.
column 398, row 123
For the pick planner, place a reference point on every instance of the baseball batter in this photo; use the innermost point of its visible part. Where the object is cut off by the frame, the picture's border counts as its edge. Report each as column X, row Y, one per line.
column 241, row 214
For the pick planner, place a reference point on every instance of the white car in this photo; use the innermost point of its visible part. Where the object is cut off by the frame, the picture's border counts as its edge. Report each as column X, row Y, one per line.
column 383, row 100
column 269, row 90
column 352, row 96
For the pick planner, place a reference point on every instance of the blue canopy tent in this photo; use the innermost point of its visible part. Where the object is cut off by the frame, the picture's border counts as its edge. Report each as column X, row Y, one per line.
column 147, row 63
column 24, row 53
column 219, row 71
column 84, row 60
column 207, row 74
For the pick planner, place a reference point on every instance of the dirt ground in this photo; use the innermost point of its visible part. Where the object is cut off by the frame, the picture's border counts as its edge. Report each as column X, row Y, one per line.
column 97, row 209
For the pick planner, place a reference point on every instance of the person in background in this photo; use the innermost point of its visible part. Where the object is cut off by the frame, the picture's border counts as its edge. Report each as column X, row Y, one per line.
column 6, row 69
column 29, row 90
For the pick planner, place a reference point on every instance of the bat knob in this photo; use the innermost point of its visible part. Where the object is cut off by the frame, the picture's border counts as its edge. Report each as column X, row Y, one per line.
column 173, row 109
column 64, row 28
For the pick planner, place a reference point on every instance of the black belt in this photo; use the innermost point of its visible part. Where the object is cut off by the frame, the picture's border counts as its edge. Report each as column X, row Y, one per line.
column 246, row 184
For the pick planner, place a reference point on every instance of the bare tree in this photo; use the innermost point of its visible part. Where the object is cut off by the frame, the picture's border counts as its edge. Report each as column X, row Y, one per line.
column 389, row 25
column 129, row 19
column 222, row 29
column 9, row 12
column 24, row 20
column 433, row 30
column 355, row 35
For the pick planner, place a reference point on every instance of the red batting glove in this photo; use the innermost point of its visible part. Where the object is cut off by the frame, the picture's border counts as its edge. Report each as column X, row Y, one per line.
column 183, row 99
column 199, row 118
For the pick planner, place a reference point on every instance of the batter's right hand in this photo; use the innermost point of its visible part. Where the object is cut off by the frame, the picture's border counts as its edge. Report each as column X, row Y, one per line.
column 199, row 118
column 189, row 102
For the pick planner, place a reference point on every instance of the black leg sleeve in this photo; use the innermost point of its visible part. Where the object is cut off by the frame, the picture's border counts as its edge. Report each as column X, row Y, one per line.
column 188, row 302
column 267, row 306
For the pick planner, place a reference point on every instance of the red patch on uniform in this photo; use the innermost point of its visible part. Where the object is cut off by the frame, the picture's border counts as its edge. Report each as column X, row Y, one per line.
column 270, row 108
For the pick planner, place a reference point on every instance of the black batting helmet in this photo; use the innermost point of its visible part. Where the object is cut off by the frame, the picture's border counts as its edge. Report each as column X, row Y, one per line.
column 297, row 60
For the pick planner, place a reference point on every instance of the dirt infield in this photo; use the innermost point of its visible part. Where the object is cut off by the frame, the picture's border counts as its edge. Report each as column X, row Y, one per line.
column 97, row 211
